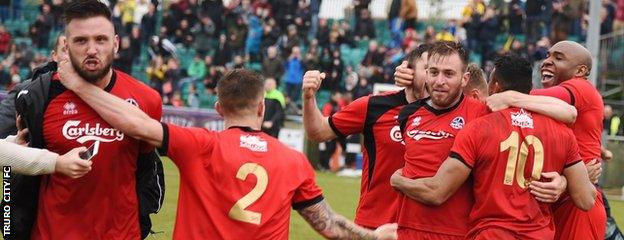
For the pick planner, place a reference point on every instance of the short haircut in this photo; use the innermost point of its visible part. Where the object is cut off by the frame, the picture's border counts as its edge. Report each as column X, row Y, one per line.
column 477, row 78
column 239, row 90
column 448, row 48
column 513, row 73
column 417, row 53
column 82, row 9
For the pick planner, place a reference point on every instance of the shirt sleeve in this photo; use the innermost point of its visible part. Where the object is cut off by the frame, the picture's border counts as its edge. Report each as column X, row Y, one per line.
column 25, row 160
column 308, row 193
column 559, row 92
column 573, row 156
column 182, row 144
column 350, row 119
column 465, row 147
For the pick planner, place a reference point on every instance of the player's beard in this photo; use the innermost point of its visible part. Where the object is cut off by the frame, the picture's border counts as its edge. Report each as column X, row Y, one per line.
column 92, row 76
column 444, row 101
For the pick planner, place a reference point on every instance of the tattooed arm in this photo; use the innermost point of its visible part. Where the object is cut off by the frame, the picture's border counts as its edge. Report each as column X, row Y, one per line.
column 333, row 226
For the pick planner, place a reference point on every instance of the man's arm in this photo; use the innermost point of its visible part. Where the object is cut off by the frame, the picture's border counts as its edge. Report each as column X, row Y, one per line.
column 333, row 226
column 581, row 190
column 549, row 106
column 316, row 126
column 437, row 189
column 117, row 112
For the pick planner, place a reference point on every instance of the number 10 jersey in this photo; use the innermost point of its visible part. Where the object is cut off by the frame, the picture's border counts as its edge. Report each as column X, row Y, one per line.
column 506, row 150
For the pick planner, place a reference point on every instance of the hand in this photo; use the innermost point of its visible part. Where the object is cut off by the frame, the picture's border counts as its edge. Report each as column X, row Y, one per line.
column 312, row 83
column 387, row 232
column 267, row 124
column 498, row 101
column 594, row 169
column 396, row 178
column 22, row 133
column 67, row 74
column 72, row 165
column 549, row 192
column 605, row 154
column 403, row 75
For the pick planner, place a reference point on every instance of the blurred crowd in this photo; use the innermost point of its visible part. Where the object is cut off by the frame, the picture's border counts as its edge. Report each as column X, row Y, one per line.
column 181, row 49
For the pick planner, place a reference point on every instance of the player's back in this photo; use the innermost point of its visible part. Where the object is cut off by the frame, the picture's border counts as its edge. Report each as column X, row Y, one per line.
column 517, row 147
column 242, row 185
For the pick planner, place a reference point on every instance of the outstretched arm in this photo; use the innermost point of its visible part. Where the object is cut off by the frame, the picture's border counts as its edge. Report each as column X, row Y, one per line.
column 549, row 106
column 118, row 113
column 315, row 124
column 433, row 190
column 333, row 226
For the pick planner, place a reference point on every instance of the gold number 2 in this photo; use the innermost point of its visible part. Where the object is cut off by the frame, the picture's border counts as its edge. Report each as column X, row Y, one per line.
column 238, row 212
column 514, row 159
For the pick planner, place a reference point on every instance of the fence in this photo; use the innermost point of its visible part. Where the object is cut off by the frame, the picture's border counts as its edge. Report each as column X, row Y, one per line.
column 611, row 68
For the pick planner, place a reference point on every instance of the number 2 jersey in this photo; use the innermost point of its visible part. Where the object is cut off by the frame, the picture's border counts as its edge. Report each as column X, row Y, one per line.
column 505, row 150
column 237, row 183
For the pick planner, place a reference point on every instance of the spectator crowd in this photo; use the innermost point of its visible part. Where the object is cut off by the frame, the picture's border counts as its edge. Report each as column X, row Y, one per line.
column 181, row 49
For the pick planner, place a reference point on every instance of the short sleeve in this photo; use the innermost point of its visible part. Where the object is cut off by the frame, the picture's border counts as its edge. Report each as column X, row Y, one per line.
column 308, row 193
column 181, row 144
column 559, row 92
column 465, row 147
column 572, row 157
column 350, row 119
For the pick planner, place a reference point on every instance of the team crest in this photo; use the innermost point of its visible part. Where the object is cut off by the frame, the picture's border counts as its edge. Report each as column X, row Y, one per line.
column 69, row 108
column 416, row 121
column 458, row 123
column 522, row 119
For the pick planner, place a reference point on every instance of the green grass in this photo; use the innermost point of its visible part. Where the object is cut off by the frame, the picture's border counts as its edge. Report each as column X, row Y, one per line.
column 341, row 193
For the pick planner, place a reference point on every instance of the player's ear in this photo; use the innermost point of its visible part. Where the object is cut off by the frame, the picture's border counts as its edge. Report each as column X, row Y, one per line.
column 116, row 43
column 219, row 108
column 474, row 93
column 582, row 71
column 465, row 79
column 260, row 110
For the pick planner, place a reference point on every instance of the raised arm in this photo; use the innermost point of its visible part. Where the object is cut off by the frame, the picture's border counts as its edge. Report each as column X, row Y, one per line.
column 549, row 106
column 333, row 226
column 118, row 113
column 433, row 190
column 581, row 190
column 316, row 125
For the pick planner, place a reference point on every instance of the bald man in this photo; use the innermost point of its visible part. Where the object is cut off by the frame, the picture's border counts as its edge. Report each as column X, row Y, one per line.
column 564, row 76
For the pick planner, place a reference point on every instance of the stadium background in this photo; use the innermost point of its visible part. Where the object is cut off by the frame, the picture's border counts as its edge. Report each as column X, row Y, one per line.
column 28, row 30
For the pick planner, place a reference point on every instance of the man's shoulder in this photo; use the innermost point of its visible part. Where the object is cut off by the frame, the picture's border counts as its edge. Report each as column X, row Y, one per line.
column 129, row 82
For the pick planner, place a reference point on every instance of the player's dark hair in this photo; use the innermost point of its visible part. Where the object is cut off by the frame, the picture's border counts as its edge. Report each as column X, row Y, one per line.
column 239, row 90
column 448, row 48
column 513, row 73
column 82, row 9
column 416, row 53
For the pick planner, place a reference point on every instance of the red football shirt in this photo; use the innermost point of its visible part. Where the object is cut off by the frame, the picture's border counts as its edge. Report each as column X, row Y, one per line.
column 517, row 147
column 237, row 184
column 376, row 118
column 429, row 134
column 103, row 203
column 588, row 102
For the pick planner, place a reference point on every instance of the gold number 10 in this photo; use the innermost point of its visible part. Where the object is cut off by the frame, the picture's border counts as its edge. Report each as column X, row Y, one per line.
column 512, row 143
